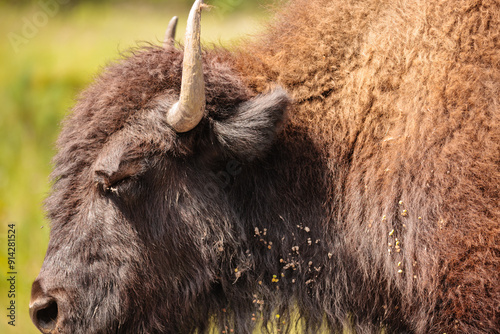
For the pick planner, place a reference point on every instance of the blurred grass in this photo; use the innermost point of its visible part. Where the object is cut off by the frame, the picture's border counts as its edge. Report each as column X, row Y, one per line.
column 38, row 84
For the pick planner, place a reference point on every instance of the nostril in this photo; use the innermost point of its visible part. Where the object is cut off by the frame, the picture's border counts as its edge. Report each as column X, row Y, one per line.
column 45, row 316
column 44, row 309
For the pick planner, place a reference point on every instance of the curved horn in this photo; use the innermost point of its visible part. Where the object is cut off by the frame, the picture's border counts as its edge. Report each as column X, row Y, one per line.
column 188, row 111
column 169, row 39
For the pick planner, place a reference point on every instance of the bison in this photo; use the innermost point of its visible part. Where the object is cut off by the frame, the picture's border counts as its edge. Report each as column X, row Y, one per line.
column 341, row 169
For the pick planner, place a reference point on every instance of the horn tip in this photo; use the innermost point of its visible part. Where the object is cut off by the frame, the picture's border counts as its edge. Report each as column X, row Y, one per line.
column 169, row 39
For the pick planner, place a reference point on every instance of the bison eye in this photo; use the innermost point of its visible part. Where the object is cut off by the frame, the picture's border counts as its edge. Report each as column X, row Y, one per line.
column 116, row 187
column 113, row 187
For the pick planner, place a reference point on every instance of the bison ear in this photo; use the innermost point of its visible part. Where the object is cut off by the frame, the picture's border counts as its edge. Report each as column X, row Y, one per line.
column 250, row 131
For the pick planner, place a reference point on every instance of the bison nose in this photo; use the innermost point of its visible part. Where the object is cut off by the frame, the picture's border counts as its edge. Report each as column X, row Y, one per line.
column 44, row 310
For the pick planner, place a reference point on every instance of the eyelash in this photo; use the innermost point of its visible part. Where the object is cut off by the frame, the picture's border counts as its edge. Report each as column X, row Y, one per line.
column 115, row 187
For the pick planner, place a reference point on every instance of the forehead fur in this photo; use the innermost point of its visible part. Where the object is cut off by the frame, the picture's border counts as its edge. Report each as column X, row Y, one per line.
column 130, row 87
column 122, row 99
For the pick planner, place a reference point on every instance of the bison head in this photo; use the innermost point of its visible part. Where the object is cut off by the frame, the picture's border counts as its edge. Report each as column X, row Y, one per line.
column 140, row 212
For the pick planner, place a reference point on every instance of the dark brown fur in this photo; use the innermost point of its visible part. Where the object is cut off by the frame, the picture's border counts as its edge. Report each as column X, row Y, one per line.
column 375, row 201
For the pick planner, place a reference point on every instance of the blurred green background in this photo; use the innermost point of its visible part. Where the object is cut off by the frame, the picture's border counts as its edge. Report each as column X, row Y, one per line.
column 49, row 51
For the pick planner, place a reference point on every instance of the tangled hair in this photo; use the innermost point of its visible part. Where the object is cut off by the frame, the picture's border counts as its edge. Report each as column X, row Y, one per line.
column 403, row 100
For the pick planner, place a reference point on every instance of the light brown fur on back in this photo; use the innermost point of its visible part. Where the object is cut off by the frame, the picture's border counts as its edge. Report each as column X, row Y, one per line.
column 404, row 97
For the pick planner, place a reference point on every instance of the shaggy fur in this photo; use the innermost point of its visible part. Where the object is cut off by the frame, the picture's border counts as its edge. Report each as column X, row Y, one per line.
column 368, row 195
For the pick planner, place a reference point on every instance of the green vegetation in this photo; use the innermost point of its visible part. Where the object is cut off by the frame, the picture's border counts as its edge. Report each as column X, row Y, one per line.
column 41, row 75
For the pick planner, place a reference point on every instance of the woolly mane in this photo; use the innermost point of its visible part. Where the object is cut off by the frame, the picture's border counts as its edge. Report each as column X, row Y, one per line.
column 403, row 97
